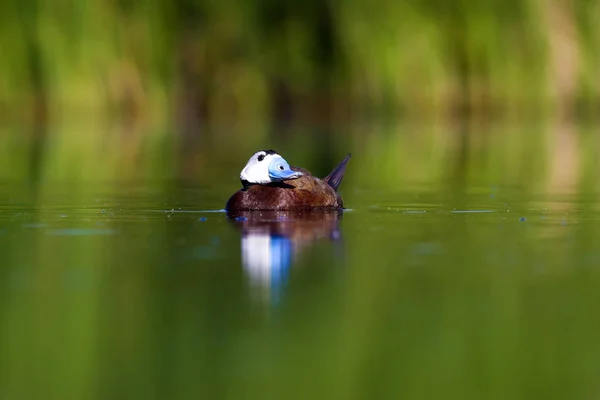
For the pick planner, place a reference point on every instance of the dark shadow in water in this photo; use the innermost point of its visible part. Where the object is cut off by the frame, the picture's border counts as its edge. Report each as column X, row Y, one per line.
column 39, row 108
column 273, row 240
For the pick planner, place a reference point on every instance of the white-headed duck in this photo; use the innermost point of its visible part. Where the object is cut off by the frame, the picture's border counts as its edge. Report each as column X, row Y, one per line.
column 271, row 184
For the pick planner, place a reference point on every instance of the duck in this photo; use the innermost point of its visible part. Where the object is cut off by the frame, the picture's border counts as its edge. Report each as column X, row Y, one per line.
column 271, row 184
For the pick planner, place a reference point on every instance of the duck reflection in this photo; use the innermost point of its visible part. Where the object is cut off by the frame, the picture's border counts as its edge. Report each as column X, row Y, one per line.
column 273, row 240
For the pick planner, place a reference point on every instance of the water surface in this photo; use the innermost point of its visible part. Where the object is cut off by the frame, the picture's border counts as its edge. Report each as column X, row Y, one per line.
column 455, row 288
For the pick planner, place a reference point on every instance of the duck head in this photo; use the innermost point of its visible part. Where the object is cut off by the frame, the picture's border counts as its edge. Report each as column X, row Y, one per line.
column 266, row 166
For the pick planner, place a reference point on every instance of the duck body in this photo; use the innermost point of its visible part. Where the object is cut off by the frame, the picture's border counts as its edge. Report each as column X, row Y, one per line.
column 301, row 191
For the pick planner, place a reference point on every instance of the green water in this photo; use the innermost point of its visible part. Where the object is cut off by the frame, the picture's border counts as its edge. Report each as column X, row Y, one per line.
column 483, row 284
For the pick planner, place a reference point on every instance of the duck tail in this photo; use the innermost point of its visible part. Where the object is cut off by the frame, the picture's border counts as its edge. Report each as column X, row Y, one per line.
column 334, row 179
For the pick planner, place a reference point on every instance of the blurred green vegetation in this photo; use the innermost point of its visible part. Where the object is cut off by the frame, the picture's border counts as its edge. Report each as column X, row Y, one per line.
column 109, row 108
column 543, row 157
column 224, row 60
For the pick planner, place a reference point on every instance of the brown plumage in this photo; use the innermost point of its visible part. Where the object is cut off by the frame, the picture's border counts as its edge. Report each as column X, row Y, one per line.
column 304, row 193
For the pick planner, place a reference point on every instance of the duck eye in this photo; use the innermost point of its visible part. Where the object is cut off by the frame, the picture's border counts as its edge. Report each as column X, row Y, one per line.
column 281, row 167
column 261, row 157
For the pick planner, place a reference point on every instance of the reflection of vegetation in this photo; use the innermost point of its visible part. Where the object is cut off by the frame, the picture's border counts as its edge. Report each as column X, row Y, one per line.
column 224, row 58
column 539, row 158
column 412, row 306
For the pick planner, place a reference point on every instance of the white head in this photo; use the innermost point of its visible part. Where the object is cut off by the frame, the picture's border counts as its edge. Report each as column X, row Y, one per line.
column 267, row 166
